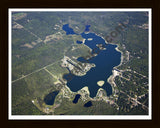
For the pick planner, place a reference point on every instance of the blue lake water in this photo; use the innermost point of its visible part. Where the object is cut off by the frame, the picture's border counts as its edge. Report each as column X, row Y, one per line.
column 76, row 98
column 104, row 61
column 88, row 104
column 68, row 30
column 87, row 28
column 79, row 42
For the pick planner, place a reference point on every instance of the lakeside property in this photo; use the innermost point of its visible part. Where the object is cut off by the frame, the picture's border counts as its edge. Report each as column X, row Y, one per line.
column 47, row 52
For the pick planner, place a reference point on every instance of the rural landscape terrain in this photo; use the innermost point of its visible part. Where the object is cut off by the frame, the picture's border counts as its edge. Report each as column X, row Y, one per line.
column 51, row 50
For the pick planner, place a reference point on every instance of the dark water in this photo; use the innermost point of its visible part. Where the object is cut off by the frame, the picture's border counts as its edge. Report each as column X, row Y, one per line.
column 87, row 28
column 76, row 98
column 95, row 40
column 68, row 30
column 88, row 104
column 104, row 61
column 49, row 99
column 79, row 42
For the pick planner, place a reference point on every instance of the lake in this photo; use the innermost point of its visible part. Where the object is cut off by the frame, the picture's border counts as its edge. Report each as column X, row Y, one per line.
column 104, row 61
column 68, row 30
column 49, row 99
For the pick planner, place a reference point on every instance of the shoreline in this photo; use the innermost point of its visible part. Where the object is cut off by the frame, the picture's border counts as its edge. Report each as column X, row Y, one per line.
column 111, row 79
column 100, row 83
column 121, row 56
column 86, row 89
column 83, row 41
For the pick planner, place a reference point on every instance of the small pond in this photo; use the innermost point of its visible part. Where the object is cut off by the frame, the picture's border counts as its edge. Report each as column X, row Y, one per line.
column 49, row 99
column 88, row 104
column 76, row 98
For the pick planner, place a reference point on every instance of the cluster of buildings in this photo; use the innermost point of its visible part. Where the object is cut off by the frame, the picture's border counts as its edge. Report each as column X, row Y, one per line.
column 78, row 69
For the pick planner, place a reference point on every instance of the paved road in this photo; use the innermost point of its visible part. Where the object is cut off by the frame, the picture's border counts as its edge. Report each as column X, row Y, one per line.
column 50, row 73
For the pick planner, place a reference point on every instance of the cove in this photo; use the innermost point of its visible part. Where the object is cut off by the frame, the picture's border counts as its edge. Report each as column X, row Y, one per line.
column 68, row 30
column 104, row 61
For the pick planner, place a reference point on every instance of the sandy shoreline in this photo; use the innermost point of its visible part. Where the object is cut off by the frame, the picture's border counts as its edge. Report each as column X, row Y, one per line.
column 100, row 83
column 121, row 56
column 86, row 89
column 83, row 41
column 90, row 39
column 114, row 72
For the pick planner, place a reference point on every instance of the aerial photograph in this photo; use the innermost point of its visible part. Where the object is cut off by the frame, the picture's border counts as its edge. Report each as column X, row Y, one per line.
column 79, row 62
